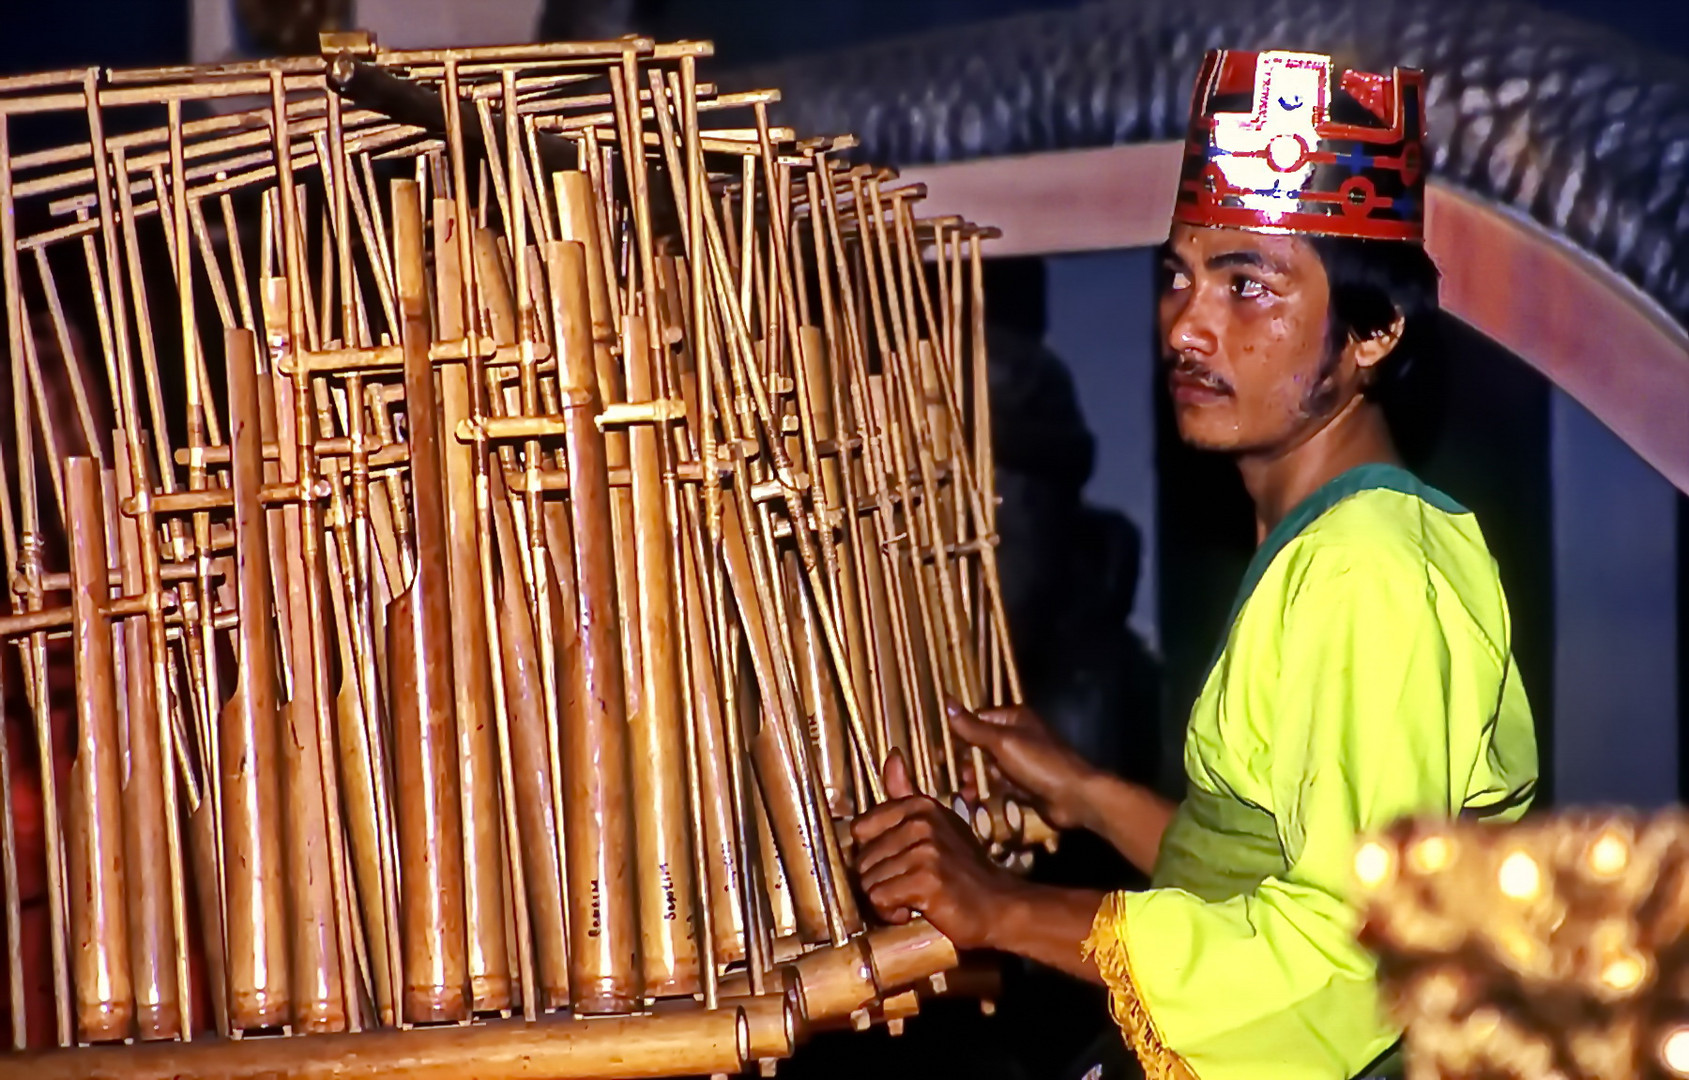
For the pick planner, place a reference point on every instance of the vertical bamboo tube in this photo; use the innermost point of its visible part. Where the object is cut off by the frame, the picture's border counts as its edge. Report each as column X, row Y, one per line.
column 820, row 389
column 530, row 762
column 577, row 209
column 202, row 853
column 723, row 886
column 145, row 728
column 819, row 694
column 314, row 961
column 783, row 914
column 249, row 759
column 158, row 1013
column 883, row 635
column 598, row 832
column 884, row 624
column 517, row 922
column 363, row 819
column 424, row 721
column 15, row 965
column 668, row 953
column 775, row 762
column 907, row 577
column 736, row 700
column 483, row 894
column 717, row 860
column 105, row 1004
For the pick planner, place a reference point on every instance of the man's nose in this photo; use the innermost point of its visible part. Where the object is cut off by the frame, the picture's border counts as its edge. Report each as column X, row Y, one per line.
column 1192, row 327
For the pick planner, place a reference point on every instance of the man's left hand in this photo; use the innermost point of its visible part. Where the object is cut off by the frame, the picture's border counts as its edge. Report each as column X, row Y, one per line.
column 916, row 857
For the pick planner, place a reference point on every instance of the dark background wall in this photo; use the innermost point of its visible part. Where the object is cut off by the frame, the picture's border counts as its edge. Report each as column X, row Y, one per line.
column 37, row 36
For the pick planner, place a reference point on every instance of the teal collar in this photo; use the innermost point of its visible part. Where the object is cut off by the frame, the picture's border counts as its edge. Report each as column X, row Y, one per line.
column 1361, row 478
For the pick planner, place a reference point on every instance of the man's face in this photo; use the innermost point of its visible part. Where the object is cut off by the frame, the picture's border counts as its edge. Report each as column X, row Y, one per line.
column 1243, row 321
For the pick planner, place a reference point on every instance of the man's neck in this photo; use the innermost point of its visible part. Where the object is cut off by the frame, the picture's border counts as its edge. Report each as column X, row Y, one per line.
column 1277, row 482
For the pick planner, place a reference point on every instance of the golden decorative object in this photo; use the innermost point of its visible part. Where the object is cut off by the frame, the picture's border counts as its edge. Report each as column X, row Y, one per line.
column 1556, row 947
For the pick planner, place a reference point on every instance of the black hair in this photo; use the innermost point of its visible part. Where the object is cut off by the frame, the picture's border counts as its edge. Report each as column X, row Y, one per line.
column 1373, row 282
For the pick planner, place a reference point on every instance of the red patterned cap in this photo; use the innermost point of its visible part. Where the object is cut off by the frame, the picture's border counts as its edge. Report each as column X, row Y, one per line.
column 1278, row 145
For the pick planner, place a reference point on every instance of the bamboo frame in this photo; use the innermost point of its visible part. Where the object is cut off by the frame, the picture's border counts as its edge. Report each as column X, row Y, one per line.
column 582, row 541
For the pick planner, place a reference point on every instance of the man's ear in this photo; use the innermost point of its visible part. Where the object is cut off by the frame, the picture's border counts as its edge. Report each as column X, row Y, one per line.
column 1368, row 353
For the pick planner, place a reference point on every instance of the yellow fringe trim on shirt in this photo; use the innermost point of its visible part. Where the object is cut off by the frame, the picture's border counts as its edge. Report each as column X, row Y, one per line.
column 1107, row 947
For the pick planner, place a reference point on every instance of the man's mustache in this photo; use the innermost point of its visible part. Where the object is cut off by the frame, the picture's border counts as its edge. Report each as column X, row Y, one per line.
column 1188, row 369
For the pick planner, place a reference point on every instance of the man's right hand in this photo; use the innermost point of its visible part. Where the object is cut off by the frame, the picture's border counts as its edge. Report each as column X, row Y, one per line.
column 1035, row 762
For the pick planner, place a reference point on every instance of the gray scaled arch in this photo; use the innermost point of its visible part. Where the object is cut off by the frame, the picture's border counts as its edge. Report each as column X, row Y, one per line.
column 1559, row 207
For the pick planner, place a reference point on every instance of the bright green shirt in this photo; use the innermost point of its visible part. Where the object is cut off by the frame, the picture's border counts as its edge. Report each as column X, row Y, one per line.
column 1368, row 674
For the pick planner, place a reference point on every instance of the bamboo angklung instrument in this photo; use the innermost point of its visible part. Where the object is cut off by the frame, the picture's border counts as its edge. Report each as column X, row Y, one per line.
column 594, row 488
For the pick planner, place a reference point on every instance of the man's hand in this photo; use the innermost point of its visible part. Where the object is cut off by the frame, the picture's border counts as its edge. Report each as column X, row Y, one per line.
column 1038, row 766
column 916, row 857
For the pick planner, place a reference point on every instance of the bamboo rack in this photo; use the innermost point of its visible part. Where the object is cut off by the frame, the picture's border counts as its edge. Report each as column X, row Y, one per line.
column 478, row 520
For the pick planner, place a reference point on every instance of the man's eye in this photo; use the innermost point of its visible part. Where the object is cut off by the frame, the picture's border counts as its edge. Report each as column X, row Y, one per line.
column 1249, row 288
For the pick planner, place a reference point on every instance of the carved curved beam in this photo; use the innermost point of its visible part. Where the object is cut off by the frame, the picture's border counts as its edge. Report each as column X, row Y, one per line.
column 1560, row 159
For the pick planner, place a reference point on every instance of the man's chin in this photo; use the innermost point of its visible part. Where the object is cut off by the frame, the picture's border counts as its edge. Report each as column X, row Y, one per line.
column 1205, row 438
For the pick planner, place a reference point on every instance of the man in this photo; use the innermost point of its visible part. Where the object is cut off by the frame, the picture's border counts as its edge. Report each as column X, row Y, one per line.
column 1367, row 673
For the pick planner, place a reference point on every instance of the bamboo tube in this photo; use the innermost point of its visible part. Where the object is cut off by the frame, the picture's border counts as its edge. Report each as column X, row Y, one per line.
column 18, row 1007
column 819, row 694
column 929, row 580
column 828, row 764
column 202, row 855
column 146, row 738
column 598, row 832
column 336, row 1004
column 773, row 1025
column 249, row 782
column 883, row 636
column 498, row 311
column 925, row 657
column 105, row 1004
column 577, row 208
column 424, row 721
column 693, row 1042
column 782, row 982
column 158, row 1012
column 902, row 955
column 844, row 331
column 783, row 918
column 820, row 387
column 542, row 847
column 488, row 957
column 363, row 824
column 369, row 874
column 836, row 983
column 517, row 926
column 723, row 886
column 771, row 752
column 750, row 825
column 318, row 1002
column 946, row 521
column 662, row 828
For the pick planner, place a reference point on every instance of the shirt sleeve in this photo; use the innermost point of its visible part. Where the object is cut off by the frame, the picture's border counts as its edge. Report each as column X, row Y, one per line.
column 1272, row 985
